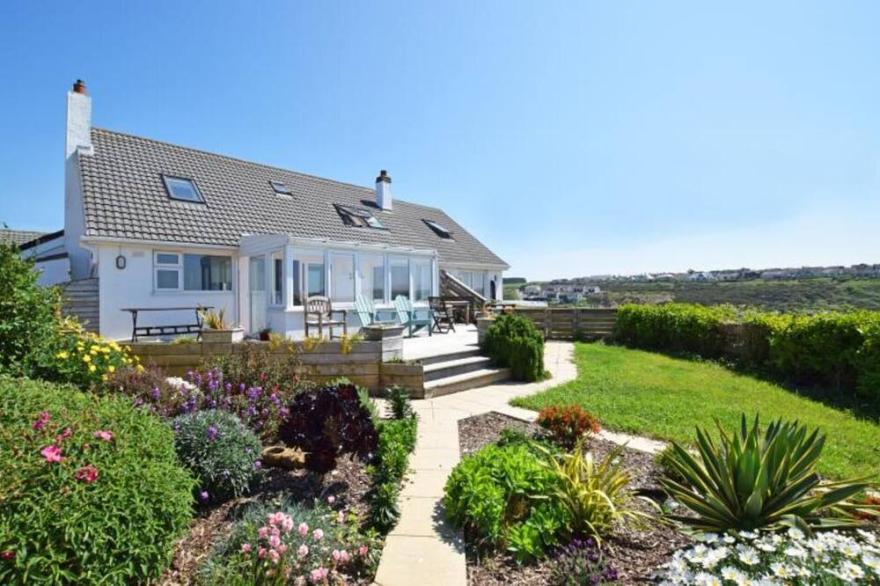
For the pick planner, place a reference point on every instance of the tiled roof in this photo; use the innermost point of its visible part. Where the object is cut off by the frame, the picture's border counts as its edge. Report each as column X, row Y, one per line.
column 18, row 237
column 124, row 197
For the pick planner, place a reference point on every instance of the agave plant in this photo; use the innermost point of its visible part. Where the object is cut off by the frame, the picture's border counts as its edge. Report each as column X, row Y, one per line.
column 595, row 494
column 748, row 481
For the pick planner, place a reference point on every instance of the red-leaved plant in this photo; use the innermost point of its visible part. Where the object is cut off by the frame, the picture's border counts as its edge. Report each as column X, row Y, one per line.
column 566, row 425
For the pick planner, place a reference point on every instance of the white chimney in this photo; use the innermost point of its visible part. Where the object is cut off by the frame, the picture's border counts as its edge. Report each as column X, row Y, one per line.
column 384, row 199
column 79, row 119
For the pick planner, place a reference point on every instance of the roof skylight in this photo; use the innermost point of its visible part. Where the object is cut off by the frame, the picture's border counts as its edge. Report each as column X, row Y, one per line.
column 280, row 188
column 182, row 189
column 438, row 229
column 358, row 217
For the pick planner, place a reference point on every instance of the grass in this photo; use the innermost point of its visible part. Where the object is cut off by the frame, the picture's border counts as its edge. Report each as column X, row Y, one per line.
column 661, row 397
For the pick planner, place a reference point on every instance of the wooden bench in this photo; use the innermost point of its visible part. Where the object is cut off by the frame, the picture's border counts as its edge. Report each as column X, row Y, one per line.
column 166, row 330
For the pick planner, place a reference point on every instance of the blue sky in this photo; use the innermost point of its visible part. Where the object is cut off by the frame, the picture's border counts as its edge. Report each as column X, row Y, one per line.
column 573, row 138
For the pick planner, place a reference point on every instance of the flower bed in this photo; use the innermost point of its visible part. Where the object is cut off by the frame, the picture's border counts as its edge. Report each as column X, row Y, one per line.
column 633, row 553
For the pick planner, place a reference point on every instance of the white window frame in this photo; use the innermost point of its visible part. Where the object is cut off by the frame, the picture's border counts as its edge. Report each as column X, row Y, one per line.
column 178, row 267
column 161, row 266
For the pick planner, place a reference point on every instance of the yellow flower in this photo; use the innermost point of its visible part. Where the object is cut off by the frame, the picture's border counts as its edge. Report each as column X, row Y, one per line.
column 104, row 377
column 127, row 360
column 111, row 368
column 62, row 355
column 139, row 368
column 92, row 368
column 93, row 350
column 87, row 358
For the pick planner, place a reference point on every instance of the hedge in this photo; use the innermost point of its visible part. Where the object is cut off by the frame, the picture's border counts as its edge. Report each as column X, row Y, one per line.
column 513, row 341
column 839, row 349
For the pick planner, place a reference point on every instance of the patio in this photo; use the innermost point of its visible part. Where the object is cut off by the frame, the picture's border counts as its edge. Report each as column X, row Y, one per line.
column 421, row 346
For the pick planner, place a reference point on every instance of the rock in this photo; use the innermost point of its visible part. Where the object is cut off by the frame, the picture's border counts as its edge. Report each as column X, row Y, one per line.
column 283, row 457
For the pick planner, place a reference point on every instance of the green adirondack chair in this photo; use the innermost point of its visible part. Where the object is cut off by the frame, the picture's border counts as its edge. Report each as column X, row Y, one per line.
column 367, row 312
column 408, row 317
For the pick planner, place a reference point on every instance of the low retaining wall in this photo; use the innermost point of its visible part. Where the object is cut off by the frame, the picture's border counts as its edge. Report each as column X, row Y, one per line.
column 366, row 363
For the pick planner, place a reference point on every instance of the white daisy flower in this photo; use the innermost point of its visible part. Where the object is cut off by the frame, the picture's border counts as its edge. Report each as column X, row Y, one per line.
column 707, row 579
column 749, row 556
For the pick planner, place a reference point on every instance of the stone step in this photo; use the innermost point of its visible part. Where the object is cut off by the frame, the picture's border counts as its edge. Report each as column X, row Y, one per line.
column 449, row 356
column 449, row 368
column 466, row 381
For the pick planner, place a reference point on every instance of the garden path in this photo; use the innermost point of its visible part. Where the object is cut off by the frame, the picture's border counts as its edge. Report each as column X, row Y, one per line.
column 423, row 549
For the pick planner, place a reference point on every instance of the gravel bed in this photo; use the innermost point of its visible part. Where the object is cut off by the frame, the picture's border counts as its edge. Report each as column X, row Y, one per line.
column 635, row 553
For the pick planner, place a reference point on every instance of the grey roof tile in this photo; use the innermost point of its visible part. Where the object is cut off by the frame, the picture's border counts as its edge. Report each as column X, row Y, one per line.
column 18, row 237
column 123, row 194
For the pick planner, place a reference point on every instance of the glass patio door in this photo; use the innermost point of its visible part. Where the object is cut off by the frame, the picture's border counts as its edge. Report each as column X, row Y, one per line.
column 257, row 293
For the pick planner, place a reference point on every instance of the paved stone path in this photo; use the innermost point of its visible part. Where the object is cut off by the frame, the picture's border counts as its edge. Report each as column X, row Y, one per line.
column 423, row 549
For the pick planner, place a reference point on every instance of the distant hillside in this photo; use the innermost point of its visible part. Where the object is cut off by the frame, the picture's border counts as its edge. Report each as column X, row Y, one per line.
column 813, row 294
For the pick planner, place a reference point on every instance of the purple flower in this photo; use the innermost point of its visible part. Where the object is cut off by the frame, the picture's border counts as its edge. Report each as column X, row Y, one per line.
column 204, row 495
column 258, row 464
column 213, row 432
column 155, row 393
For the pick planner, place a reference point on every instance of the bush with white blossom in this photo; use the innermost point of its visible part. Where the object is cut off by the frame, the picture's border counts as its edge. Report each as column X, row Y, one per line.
column 768, row 559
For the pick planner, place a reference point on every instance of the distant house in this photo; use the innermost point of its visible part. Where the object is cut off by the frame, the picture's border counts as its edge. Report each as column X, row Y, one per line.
column 47, row 250
column 163, row 226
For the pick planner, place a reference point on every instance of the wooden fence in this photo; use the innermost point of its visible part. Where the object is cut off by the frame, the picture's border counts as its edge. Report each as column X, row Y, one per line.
column 571, row 323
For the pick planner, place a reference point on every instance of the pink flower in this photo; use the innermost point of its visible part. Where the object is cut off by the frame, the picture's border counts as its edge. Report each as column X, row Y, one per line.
column 274, row 556
column 303, row 550
column 362, row 550
column 303, row 529
column 263, row 532
column 331, row 499
column 317, row 535
column 336, row 555
column 287, row 524
column 282, row 548
column 87, row 474
column 245, row 548
column 299, row 581
column 261, row 553
column 51, row 453
column 7, row 555
column 41, row 421
column 105, row 435
column 274, row 541
column 64, row 435
column 344, row 556
column 318, row 575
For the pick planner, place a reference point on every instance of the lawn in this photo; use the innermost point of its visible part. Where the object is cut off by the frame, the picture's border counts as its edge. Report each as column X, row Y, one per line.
column 662, row 397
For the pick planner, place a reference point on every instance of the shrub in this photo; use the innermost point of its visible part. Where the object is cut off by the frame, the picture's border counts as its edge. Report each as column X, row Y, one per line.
column 513, row 341
column 567, row 425
column 397, row 439
column 326, row 422
column 580, row 563
column 286, row 543
column 261, row 409
column 673, row 327
column 73, row 355
column 90, row 488
column 27, row 312
column 399, row 400
column 749, row 481
column 219, row 450
column 771, row 558
column 663, row 460
column 824, row 348
column 595, row 496
column 274, row 367
column 502, row 497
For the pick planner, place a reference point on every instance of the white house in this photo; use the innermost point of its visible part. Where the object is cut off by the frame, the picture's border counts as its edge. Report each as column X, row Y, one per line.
column 164, row 226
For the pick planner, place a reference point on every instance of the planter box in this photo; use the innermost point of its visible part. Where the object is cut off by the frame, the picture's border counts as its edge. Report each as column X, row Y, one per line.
column 483, row 324
column 409, row 376
column 222, row 336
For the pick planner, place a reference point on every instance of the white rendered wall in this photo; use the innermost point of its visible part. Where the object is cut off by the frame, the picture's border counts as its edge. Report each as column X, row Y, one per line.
column 133, row 287
column 77, row 140
column 53, row 271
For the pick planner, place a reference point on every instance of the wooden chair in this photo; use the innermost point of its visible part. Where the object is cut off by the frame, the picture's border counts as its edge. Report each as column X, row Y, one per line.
column 408, row 318
column 367, row 312
column 442, row 315
column 319, row 313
